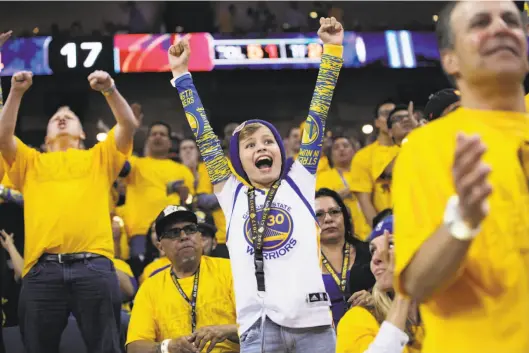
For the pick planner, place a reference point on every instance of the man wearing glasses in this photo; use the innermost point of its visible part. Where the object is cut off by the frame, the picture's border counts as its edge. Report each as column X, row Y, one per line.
column 190, row 305
column 400, row 123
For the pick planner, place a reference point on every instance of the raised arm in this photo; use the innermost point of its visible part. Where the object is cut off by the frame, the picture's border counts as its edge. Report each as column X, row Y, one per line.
column 126, row 121
column 20, row 83
column 208, row 143
column 331, row 33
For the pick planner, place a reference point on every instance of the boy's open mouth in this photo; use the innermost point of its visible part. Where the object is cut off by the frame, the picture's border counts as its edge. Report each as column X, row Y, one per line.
column 264, row 162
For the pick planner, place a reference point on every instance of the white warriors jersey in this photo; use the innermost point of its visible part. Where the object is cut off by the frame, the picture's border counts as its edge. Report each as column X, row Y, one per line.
column 295, row 294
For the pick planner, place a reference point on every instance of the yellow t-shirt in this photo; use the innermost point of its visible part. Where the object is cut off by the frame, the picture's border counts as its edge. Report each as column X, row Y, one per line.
column 160, row 312
column 367, row 167
column 4, row 178
column 66, row 198
column 153, row 266
column 484, row 307
column 323, row 164
column 358, row 328
column 147, row 191
column 331, row 179
column 205, row 187
column 124, row 267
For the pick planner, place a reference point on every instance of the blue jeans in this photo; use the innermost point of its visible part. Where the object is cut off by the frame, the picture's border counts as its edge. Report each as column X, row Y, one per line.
column 279, row 339
column 88, row 289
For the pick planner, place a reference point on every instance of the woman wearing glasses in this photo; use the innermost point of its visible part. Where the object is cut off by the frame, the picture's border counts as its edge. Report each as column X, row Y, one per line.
column 345, row 259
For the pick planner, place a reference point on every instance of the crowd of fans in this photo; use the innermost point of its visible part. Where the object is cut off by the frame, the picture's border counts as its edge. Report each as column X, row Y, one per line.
column 353, row 184
column 174, row 281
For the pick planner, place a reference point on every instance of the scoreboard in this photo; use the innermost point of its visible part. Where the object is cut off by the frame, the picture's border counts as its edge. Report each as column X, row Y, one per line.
column 267, row 51
column 125, row 53
column 81, row 54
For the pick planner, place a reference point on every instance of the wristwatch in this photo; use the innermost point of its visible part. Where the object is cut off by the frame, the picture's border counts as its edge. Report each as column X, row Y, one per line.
column 458, row 228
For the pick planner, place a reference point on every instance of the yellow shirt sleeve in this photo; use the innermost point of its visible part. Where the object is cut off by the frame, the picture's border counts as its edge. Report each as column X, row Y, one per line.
column 25, row 157
column 111, row 158
column 142, row 326
column 422, row 184
column 361, row 180
column 356, row 331
column 204, row 183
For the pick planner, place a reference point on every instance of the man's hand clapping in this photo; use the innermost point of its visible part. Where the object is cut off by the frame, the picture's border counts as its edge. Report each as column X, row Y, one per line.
column 21, row 81
column 331, row 31
column 470, row 178
column 178, row 54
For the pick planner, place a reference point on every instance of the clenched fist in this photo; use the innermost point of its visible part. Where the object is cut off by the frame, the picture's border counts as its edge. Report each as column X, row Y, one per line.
column 21, row 81
column 178, row 54
column 331, row 31
column 100, row 81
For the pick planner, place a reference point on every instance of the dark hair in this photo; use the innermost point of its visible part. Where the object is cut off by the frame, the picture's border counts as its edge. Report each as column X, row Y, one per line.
column 398, row 108
column 381, row 215
column 379, row 105
column 444, row 33
column 157, row 123
column 186, row 138
column 293, row 127
column 348, row 224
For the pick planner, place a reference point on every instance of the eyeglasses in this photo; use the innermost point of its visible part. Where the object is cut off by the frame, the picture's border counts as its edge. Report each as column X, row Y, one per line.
column 175, row 233
column 333, row 212
column 396, row 118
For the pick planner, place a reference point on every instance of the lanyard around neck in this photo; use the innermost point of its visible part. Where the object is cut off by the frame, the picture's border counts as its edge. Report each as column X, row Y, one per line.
column 258, row 230
column 341, row 281
column 193, row 301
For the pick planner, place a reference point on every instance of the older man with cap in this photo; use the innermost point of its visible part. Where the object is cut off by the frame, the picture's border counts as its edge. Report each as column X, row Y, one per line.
column 190, row 305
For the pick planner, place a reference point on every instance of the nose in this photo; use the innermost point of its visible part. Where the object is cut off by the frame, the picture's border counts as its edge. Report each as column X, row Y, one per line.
column 261, row 147
column 183, row 235
column 379, row 256
column 327, row 218
column 498, row 26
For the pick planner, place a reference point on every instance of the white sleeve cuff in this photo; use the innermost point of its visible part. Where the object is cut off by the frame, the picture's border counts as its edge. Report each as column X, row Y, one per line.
column 389, row 339
column 173, row 81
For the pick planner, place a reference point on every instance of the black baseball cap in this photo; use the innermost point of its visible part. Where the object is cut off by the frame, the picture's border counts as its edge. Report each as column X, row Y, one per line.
column 172, row 214
column 206, row 223
column 439, row 101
